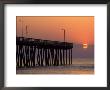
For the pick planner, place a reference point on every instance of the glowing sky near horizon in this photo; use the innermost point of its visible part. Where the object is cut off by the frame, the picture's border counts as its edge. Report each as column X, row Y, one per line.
column 79, row 29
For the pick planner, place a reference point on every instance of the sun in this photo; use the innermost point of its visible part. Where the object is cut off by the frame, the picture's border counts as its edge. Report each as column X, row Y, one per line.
column 85, row 45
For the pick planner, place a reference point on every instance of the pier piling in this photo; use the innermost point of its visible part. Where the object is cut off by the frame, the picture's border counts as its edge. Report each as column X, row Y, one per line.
column 36, row 52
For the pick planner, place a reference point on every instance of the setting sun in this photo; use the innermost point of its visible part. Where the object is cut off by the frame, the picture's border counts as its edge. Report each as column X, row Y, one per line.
column 85, row 46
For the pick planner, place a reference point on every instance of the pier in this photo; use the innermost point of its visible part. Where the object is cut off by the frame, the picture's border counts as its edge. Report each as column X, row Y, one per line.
column 32, row 52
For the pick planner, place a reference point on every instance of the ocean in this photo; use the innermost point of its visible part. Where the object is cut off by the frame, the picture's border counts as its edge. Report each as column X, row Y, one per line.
column 79, row 66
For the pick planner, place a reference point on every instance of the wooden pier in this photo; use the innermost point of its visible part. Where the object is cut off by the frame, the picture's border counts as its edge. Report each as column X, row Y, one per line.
column 32, row 52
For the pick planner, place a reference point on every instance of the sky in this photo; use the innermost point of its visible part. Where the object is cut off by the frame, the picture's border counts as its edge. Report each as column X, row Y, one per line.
column 79, row 29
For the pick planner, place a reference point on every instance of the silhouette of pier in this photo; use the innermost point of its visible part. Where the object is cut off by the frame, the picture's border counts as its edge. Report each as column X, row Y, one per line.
column 32, row 52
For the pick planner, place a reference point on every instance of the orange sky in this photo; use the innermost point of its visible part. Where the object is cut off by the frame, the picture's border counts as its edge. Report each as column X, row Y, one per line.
column 79, row 29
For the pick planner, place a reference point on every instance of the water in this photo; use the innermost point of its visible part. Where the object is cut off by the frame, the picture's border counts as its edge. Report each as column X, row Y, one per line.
column 79, row 66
